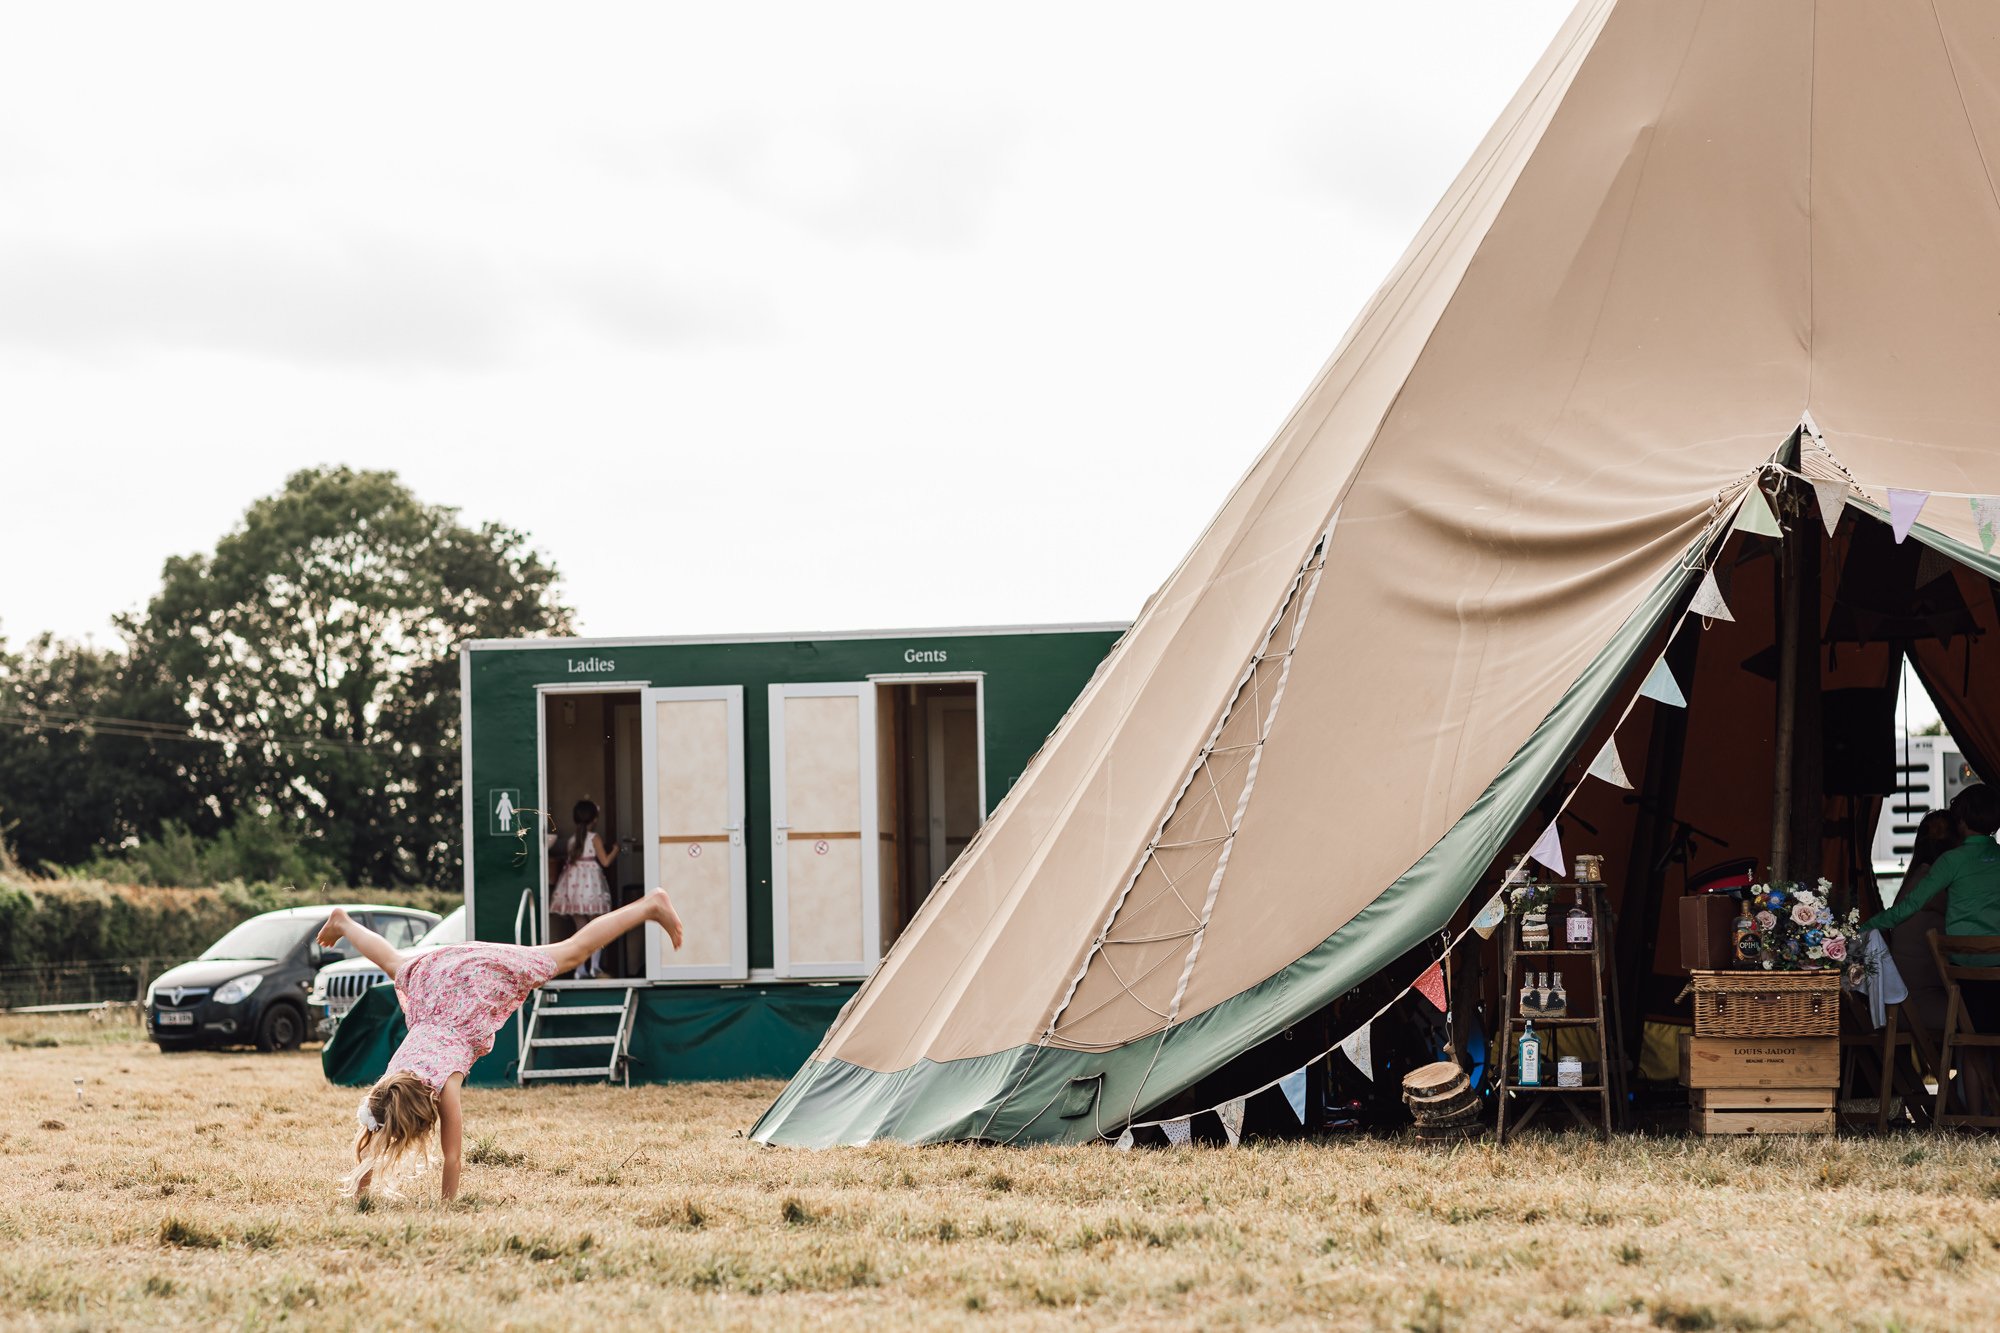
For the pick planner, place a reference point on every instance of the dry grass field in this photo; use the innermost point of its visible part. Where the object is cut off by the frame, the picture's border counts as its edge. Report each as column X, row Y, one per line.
column 197, row 1191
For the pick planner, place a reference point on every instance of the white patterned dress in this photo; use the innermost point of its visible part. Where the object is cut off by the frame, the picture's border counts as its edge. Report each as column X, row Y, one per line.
column 582, row 889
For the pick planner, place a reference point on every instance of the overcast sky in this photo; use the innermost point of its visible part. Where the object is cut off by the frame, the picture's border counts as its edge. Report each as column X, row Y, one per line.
column 756, row 317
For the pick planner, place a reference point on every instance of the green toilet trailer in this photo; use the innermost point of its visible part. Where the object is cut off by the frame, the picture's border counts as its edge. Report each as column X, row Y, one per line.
column 799, row 795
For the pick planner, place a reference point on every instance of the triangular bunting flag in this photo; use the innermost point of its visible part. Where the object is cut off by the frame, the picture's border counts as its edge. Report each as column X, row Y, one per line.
column 1708, row 603
column 1811, row 426
column 1904, row 506
column 1608, row 767
column 1178, row 1132
column 1431, row 985
column 1986, row 517
column 1232, row 1120
column 1548, row 849
column 1490, row 917
column 1661, row 686
column 1832, row 497
column 1932, row 566
column 1357, row 1050
column 1755, row 515
column 1293, row 1085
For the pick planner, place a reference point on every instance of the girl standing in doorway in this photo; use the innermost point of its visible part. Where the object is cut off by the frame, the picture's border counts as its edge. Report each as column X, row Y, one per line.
column 582, row 891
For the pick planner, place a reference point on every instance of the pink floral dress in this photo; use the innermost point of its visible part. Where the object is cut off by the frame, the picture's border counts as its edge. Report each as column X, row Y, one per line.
column 455, row 997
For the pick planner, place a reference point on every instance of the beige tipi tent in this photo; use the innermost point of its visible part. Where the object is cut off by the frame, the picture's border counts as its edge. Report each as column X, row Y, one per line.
column 1694, row 225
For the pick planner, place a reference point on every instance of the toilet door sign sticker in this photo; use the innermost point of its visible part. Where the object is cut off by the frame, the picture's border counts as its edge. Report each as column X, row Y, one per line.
column 503, row 812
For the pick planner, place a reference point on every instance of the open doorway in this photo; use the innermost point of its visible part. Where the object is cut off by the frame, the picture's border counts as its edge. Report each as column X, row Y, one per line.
column 930, row 789
column 592, row 750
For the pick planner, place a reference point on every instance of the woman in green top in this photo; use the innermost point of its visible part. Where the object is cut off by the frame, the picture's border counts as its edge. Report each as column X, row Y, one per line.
column 1970, row 871
column 1969, row 874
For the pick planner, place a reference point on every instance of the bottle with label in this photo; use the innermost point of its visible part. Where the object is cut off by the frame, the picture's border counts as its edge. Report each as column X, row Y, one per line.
column 1531, row 995
column 1744, row 943
column 1531, row 1057
column 1577, row 927
column 1555, row 999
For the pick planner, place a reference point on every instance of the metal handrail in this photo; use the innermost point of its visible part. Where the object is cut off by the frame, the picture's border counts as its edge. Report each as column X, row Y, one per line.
column 521, row 913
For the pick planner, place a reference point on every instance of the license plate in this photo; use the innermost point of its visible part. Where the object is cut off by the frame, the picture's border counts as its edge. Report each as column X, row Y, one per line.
column 170, row 1018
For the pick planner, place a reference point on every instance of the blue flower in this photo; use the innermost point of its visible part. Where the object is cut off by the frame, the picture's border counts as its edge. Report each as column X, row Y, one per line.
column 1777, row 897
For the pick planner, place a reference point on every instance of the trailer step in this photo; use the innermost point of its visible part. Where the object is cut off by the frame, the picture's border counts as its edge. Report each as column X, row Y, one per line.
column 544, row 1004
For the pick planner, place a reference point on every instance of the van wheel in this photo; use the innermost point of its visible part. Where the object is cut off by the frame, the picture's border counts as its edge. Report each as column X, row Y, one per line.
column 281, row 1028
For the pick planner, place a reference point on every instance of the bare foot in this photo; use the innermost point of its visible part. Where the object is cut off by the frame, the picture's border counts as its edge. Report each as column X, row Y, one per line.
column 336, row 926
column 664, row 913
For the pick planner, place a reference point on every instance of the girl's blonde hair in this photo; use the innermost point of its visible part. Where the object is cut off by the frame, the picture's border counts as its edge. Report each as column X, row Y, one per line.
column 399, row 1118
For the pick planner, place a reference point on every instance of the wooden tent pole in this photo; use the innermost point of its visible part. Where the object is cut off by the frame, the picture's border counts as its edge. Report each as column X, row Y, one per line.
column 1791, row 603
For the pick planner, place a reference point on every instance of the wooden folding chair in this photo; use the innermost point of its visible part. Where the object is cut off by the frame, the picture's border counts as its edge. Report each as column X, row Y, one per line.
column 1959, row 1031
column 1893, row 1057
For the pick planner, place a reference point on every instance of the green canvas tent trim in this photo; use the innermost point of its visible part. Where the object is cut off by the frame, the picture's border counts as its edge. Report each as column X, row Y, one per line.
column 1049, row 1094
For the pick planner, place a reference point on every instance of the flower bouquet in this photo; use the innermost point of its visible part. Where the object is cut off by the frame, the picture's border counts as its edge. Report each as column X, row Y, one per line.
column 1525, row 897
column 1793, row 929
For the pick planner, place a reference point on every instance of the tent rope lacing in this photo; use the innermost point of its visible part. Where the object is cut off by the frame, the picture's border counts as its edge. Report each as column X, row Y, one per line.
column 1210, row 806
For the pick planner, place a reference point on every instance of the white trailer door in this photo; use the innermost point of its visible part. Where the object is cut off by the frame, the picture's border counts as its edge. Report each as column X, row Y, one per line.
column 693, row 777
column 825, row 890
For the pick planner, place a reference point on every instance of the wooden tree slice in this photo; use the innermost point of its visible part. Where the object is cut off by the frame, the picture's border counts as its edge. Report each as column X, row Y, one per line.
column 1446, row 1108
column 1449, row 1093
column 1442, row 1077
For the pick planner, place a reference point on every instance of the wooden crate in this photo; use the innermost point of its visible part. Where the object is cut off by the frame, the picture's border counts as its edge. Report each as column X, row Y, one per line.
column 1761, row 1099
column 1760, row 1062
column 1761, row 1122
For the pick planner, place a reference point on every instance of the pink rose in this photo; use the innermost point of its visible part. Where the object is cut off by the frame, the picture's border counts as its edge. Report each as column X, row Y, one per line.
column 1836, row 947
column 1803, row 915
column 1767, row 922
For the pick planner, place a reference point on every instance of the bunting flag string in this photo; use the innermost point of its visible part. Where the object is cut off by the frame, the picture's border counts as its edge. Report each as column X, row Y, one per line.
column 1904, row 506
column 1608, row 767
column 1708, row 603
column 1548, row 849
column 1660, row 686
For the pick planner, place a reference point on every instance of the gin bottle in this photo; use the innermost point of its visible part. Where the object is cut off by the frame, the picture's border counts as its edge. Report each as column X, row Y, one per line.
column 1531, row 1057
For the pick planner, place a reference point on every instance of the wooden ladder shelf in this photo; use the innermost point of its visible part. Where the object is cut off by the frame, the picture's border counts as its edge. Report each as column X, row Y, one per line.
column 1600, row 1102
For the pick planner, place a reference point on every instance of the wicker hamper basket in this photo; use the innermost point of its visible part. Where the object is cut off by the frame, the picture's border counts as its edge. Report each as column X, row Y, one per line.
column 1767, row 1004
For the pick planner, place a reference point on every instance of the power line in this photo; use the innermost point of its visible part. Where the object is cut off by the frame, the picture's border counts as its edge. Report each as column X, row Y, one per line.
column 131, row 728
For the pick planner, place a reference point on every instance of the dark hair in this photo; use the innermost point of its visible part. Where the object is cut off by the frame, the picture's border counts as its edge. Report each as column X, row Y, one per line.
column 1978, row 808
column 583, row 814
column 1937, row 833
